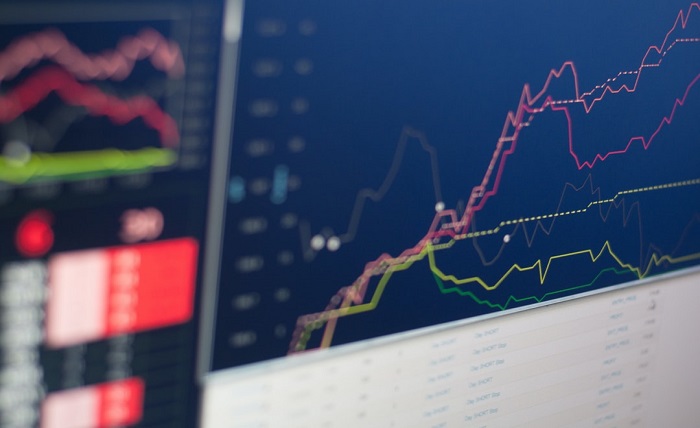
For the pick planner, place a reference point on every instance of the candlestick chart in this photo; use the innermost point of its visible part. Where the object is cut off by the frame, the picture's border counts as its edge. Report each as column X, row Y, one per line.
column 448, row 210
column 89, row 100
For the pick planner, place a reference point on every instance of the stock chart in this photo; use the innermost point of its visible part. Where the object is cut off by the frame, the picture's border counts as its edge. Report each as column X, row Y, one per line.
column 390, row 174
column 105, row 136
column 91, row 99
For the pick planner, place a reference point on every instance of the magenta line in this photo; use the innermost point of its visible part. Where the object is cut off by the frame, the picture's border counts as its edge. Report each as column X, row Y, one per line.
column 511, row 132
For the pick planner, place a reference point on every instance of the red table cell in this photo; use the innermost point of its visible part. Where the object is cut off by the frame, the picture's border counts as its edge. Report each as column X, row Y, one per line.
column 94, row 294
column 118, row 403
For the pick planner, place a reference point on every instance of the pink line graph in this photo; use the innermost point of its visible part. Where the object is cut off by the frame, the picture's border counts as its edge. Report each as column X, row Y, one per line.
column 116, row 64
column 448, row 222
column 515, row 122
column 646, row 142
column 51, row 79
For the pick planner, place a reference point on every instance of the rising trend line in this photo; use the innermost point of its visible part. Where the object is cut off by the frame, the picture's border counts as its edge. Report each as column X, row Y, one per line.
column 546, row 216
column 524, row 114
column 646, row 142
column 117, row 64
column 385, row 264
column 462, row 225
column 551, row 218
column 52, row 79
column 541, row 267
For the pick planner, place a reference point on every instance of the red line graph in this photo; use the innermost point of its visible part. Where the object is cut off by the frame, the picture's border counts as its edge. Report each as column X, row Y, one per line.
column 449, row 223
column 116, row 64
column 53, row 79
column 646, row 142
column 478, row 193
column 515, row 122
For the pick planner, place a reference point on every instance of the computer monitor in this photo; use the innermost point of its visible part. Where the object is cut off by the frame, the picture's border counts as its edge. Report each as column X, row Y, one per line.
column 459, row 214
column 107, row 124
column 374, row 213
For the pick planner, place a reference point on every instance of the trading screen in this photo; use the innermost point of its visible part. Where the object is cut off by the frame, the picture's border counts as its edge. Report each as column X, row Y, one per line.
column 457, row 169
column 104, row 171
column 370, row 213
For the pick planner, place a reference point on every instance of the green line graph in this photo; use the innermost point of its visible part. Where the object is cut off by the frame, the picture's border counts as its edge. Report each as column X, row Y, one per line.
column 83, row 165
column 513, row 299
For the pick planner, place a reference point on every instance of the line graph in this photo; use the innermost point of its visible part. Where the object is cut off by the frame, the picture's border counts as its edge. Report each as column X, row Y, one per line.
column 84, row 164
column 523, row 117
column 515, row 122
column 43, row 72
column 540, row 267
column 117, row 64
column 377, row 195
column 539, row 218
column 645, row 142
column 624, row 268
column 39, row 85
column 356, row 293
column 591, row 183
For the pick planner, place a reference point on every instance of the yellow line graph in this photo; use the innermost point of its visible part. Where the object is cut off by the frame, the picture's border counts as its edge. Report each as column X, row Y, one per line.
column 542, row 269
column 641, row 272
column 403, row 263
column 429, row 250
column 496, row 229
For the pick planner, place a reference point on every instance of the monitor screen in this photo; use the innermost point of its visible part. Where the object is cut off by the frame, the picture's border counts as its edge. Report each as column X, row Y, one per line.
column 373, row 213
column 107, row 116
